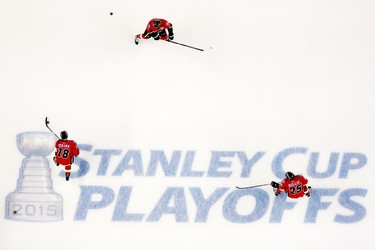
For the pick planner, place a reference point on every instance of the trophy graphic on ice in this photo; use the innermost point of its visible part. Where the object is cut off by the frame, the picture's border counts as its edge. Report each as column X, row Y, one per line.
column 34, row 198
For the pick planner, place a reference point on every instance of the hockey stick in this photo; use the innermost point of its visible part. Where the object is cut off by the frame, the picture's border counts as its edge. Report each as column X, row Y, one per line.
column 47, row 122
column 184, row 45
column 253, row 186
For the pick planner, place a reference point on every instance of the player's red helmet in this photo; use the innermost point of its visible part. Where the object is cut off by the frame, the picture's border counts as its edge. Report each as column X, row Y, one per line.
column 289, row 175
column 157, row 23
column 64, row 135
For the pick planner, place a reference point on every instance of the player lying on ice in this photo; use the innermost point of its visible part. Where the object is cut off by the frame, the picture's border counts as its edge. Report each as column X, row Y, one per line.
column 293, row 185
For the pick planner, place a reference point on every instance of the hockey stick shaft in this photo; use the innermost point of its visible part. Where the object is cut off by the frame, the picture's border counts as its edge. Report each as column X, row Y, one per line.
column 46, row 122
column 261, row 185
column 185, row 45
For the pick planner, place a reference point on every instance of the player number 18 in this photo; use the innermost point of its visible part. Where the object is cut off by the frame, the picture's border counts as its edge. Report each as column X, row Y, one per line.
column 63, row 153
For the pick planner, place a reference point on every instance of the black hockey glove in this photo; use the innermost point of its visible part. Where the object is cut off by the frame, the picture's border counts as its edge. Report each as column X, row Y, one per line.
column 308, row 193
column 54, row 159
column 275, row 184
column 171, row 36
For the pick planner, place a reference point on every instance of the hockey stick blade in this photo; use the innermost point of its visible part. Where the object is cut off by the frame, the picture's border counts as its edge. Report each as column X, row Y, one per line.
column 261, row 185
column 47, row 122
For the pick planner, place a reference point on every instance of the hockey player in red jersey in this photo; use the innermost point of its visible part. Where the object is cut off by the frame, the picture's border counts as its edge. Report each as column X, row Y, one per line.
column 293, row 185
column 65, row 152
column 157, row 29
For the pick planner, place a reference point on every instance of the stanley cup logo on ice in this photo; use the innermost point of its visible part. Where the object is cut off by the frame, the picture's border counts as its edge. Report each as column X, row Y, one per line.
column 34, row 198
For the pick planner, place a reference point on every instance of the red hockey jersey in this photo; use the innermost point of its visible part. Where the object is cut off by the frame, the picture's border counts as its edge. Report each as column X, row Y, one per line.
column 164, row 25
column 65, row 151
column 294, row 188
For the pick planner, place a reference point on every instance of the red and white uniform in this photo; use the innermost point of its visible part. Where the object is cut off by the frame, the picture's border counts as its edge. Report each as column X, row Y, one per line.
column 152, row 31
column 295, row 188
column 66, row 150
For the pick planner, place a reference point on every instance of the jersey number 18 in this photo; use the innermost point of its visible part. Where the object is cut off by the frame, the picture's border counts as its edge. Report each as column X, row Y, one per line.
column 63, row 153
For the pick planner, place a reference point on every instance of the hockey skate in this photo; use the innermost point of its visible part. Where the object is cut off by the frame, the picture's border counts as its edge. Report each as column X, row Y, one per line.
column 136, row 40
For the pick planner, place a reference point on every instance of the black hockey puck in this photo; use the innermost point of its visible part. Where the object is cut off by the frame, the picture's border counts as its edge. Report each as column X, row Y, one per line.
column 14, row 212
column 111, row 13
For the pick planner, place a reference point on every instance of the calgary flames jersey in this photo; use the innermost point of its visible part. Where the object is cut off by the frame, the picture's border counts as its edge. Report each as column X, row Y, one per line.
column 294, row 188
column 165, row 25
column 65, row 151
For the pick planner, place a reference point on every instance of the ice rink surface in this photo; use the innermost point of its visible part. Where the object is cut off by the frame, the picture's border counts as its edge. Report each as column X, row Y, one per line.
column 280, row 74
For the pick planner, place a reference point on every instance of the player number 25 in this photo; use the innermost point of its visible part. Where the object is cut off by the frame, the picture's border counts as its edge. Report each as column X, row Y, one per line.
column 297, row 189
